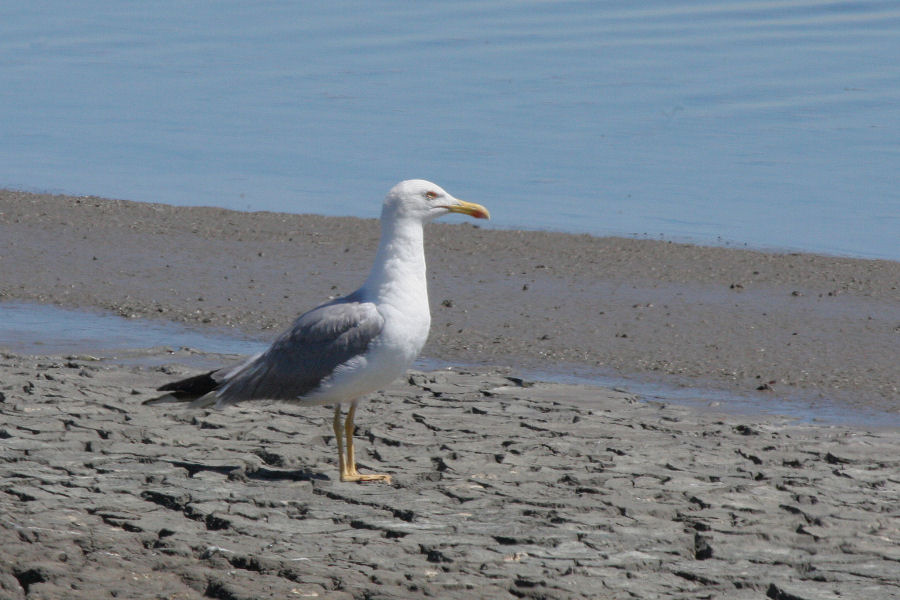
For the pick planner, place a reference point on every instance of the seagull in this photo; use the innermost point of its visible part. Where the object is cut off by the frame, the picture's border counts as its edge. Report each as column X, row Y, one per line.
column 344, row 349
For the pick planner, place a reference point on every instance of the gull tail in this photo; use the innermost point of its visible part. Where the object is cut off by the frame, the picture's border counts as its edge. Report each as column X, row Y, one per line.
column 199, row 390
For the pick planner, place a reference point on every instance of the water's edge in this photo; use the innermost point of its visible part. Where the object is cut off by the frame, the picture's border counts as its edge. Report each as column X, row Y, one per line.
column 40, row 329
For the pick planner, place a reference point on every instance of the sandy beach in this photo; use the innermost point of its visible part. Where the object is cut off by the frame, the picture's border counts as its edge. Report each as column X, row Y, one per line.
column 504, row 487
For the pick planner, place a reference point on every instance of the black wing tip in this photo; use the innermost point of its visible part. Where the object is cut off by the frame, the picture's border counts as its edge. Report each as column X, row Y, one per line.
column 191, row 387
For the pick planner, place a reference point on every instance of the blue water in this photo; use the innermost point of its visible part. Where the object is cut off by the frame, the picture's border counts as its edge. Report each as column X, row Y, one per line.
column 768, row 124
column 31, row 328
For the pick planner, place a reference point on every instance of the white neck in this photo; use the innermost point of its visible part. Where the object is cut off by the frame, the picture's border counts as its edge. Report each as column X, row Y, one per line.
column 400, row 257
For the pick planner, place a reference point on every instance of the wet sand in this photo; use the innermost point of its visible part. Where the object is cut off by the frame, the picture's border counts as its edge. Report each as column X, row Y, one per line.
column 503, row 488
column 796, row 325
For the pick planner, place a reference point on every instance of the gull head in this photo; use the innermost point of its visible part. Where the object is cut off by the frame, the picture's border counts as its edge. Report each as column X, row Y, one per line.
column 422, row 200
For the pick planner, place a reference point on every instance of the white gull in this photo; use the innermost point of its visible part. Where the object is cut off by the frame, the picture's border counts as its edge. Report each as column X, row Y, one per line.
column 344, row 349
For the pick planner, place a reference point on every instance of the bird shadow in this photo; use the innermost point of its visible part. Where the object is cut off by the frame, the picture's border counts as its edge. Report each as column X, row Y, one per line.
column 266, row 474
column 243, row 472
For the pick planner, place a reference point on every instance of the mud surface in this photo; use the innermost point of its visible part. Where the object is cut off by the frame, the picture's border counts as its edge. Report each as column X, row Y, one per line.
column 502, row 489
column 794, row 325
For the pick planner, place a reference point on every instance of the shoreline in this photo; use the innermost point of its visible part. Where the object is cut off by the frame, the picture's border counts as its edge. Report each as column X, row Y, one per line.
column 140, row 340
column 796, row 325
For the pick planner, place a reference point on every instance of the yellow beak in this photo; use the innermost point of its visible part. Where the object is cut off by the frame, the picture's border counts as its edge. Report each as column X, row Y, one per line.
column 469, row 208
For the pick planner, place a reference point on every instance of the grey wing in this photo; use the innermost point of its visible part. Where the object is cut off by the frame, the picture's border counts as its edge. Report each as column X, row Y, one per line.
column 305, row 354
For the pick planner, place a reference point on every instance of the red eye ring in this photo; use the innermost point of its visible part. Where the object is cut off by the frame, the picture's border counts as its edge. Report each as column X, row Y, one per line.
column 431, row 195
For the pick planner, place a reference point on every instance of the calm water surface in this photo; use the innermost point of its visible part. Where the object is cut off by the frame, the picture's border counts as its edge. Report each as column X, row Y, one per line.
column 31, row 328
column 770, row 124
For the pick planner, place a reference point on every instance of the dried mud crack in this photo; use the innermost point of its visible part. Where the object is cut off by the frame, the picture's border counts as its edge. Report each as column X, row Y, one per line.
column 501, row 490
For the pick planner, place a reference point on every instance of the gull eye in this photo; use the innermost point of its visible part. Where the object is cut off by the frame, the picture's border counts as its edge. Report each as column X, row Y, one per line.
column 431, row 195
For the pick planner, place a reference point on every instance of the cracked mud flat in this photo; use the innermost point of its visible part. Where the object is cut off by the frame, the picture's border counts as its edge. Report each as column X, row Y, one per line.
column 502, row 489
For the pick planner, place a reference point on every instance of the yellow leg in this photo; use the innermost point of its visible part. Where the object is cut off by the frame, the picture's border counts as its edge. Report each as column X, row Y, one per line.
column 347, row 462
column 349, row 429
column 336, row 425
